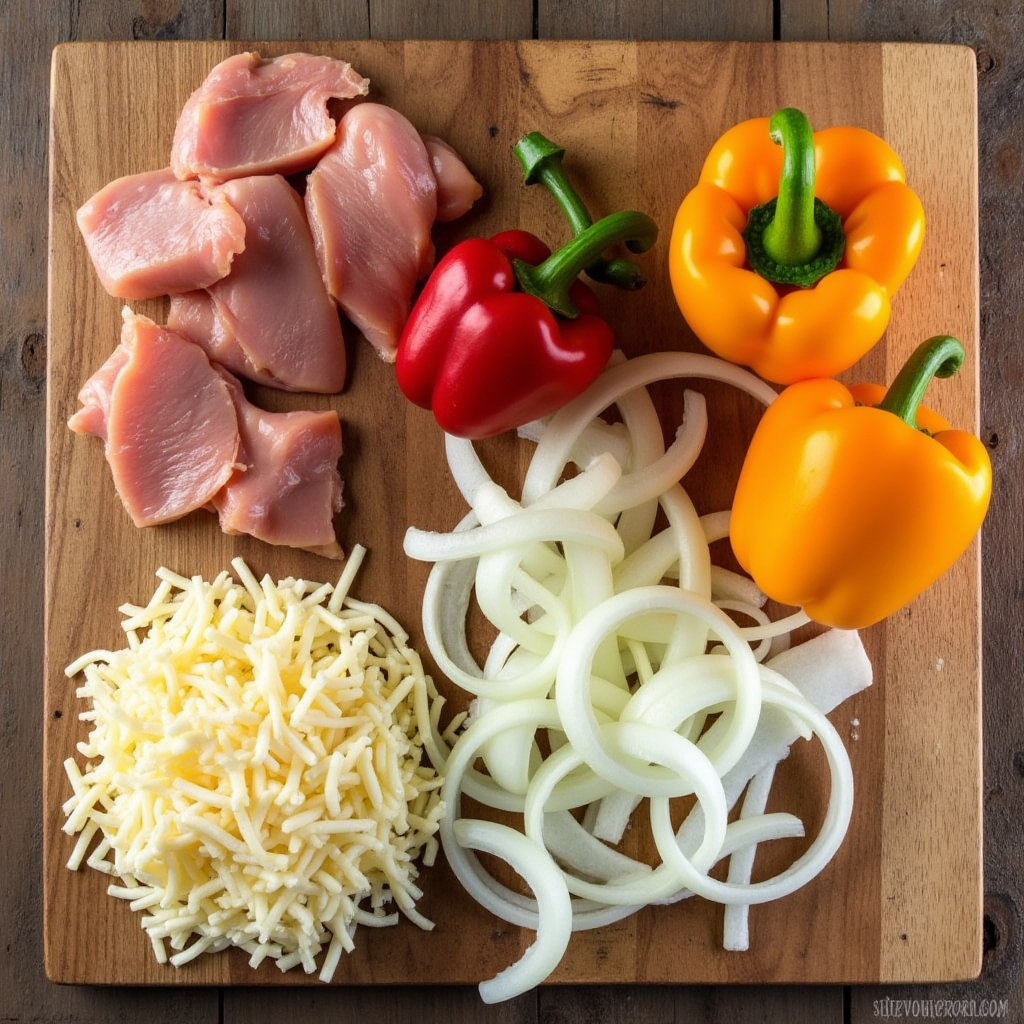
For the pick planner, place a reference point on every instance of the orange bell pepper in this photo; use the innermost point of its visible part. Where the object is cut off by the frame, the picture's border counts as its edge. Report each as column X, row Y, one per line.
column 785, row 255
column 853, row 501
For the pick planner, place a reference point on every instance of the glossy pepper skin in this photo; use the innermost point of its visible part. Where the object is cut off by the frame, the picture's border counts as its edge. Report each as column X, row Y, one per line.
column 504, row 332
column 783, row 332
column 847, row 509
column 486, row 357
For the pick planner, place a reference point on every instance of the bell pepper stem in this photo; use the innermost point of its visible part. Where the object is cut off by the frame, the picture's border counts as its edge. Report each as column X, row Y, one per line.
column 793, row 236
column 794, row 239
column 541, row 160
column 550, row 281
column 940, row 356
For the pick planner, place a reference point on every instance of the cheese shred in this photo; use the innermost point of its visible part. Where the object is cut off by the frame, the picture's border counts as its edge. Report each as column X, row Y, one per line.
column 254, row 771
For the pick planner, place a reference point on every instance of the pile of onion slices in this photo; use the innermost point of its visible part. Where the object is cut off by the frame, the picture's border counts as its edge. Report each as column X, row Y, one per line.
column 619, row 676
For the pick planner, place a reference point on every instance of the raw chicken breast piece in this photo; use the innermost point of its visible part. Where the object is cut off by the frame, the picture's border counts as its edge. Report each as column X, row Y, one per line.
column 149, row 234
column 255, row 116
column 168, row 421
column 371, row 203
column 457, row 189
column 95, row 396
column 271, row 319
column 287, row 488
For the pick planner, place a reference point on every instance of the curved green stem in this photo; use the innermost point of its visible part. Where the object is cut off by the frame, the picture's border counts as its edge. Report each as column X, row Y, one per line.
column 550, row 281
column 940, row 356
column 541, row 160
column 793, row 237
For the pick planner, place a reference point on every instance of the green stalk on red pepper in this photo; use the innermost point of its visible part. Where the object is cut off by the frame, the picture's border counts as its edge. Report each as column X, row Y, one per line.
column 504, row 332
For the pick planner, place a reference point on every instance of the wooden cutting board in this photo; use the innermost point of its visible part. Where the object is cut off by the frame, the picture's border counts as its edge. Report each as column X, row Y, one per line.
column 902, row 900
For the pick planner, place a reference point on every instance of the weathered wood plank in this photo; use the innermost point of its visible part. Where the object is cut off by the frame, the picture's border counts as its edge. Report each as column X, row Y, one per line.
column 1000, row 66
column 440, row 19
column 28, row 29
column 322, row 19
column 803, row 20
column 655, row 19
column 27, row 32
column 148, row 19
column 440, row 1004
column 632, row 1005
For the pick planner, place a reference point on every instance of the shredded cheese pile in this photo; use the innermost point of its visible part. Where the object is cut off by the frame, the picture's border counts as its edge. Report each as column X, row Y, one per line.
column 255, row 768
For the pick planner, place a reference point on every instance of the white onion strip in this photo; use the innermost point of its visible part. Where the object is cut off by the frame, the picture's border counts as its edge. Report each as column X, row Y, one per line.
column 572, row 691
column 555, row 447
column 606, row 665
column 554, row 926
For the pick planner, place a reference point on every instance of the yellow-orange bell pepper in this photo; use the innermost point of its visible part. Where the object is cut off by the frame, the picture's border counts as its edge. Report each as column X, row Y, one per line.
column 764, row 275
column 852, row 501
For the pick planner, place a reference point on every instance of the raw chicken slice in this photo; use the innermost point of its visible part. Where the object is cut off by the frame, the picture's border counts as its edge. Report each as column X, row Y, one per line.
column 457, row 189
column 270, row 320
column 168, row 421
column 255, row 116
column 150, row 234
column 289, row 489
column 371, row 202
column 95, row 396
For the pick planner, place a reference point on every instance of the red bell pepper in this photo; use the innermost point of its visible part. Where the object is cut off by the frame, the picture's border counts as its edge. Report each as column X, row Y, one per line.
column 504, row 333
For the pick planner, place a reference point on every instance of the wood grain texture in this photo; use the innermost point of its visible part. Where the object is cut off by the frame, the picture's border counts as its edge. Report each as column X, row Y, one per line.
column 27, row 31
column 633, row 1004
column 990, row 30
column 436, row 19
column 804, row 19
column 27, row 34
column 654, row 19
column 269, row 19
column 637, row 119
column 390, row 1005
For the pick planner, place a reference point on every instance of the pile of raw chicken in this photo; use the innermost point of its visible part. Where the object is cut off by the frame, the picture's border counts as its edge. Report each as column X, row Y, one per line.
column 257, row 275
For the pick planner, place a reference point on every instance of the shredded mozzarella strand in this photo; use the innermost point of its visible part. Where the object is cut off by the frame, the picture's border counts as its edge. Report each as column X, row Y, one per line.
column 255, row 768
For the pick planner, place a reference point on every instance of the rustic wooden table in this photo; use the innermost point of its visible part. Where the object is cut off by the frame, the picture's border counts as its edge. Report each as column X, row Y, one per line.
column 28, row 31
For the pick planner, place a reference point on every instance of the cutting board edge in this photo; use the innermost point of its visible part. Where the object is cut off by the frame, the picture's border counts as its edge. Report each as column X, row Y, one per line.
column 48, row 668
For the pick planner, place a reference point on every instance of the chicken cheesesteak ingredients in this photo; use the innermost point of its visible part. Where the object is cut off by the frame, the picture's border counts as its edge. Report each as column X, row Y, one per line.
column 256, row 116
column 457, row 189
column 371, row 203
column 254, row 774
column 180, row 435
column 269, row 320
column 150, row 234
column 619, row 675
column 170, row 449
column 503, row 332
column 286, row 488
column 786, row 254
column 852, row 501
column 257, row 275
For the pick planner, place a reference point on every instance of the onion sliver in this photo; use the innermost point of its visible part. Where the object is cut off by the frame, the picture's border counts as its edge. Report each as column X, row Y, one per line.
column 444, row 620
column 571, row 844
column 554, row 925
column 466, row 468
column 572, row 689
column 604, row 686
column 555, row 447
column 654, row 479
column 694, row 772
column 736, row 919
column 528, row 527
column 817, row 855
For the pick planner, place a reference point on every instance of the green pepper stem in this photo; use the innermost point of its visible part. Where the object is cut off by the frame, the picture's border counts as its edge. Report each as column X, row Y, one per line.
column 793, row 237
column 550, row 281
column 940, row 356
column 541, row 160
